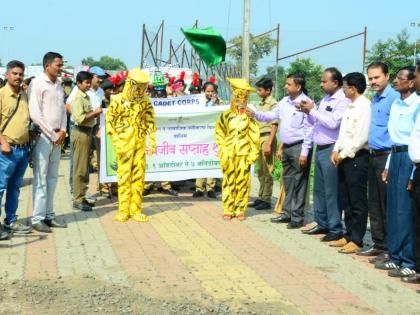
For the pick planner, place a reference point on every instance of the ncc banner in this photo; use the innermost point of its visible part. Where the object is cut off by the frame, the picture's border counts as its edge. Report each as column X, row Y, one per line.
column 185, row 140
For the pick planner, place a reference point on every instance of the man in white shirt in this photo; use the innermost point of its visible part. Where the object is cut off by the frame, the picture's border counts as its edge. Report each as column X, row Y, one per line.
column 46, row 108
column 351, row 156
column 397, row 176
column 414, row 153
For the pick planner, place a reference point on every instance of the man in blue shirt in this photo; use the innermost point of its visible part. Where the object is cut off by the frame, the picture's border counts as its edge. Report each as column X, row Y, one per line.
column 397, row 174
column 380, row 147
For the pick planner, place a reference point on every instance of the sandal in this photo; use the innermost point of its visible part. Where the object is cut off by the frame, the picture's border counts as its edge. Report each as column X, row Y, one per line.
column 241, row 216
column 227, row 217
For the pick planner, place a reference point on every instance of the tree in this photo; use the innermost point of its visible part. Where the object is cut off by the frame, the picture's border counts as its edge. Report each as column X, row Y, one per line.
column 305, row 66
column 277, row 78
column 312, row 73
column 260, row 46
column 105, row 62
column 1, row 65
column 395, row 52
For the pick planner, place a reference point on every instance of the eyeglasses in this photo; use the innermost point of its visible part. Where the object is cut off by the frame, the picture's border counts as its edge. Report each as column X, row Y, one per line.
column 401, row 79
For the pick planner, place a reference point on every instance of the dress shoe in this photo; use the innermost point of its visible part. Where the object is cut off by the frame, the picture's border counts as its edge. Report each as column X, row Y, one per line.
column 146, row 192
column 263, row 206
column 254, row 203
column 83, row 206
column 414, row 279
column 385, row 265
column 338, row 243
column 55, row 224
column 315, row 231
column 41, row 227
column 294, row 225
column 331, row 237
column 371, row 251
column 170, row 191
column 90, row 202
column 211, row 194
column 349, row 248
column 380, row 258
column 401, row 272
column 198, row 194
column 280, row 219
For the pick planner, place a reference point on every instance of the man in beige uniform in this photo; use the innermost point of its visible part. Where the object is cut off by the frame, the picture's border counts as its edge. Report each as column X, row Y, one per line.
column 84, row 121
column 14, row 149
column 268, row 145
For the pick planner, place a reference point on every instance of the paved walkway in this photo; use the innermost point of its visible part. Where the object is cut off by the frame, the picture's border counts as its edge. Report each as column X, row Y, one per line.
column 187, row 251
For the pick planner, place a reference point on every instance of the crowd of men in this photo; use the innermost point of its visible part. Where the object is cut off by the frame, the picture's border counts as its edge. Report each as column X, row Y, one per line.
column 366, row 152
column 367, row 163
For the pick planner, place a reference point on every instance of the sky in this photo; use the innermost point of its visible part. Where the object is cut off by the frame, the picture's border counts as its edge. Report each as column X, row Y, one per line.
column 82, row 28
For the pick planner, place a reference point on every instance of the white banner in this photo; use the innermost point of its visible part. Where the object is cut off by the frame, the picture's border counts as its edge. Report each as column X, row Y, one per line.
column 186, row 145
column 179, row 103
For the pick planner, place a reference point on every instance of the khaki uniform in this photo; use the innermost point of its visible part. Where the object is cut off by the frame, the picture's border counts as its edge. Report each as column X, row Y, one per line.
column 265, row 163
column 81, row 139
column 17, row 131
column 164, row 185
column 205, row 184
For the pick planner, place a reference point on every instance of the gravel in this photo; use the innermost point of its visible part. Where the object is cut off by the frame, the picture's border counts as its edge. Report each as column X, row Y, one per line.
column 89, row 296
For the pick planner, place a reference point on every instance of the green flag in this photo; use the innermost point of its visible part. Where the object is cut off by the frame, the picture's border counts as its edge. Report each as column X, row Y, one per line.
column 208, row 43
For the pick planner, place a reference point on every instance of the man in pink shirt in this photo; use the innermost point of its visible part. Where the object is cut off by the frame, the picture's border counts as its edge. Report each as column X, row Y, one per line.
column 46, row 108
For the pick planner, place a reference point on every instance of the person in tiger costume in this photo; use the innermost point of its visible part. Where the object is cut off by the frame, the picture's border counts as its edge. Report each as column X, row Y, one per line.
column 130, row 118
column 237, row 139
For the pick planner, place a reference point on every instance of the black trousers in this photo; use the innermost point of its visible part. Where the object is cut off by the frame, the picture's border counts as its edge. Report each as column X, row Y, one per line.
column 416, row 215
column 353, row 175
column 377, row 201
column 295, row 180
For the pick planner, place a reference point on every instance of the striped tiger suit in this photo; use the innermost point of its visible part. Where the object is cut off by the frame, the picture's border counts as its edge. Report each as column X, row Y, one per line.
column 237, row 139
column 128, row 123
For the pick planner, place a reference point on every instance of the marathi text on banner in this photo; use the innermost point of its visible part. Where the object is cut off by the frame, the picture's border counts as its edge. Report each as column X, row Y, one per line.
column 185, row 144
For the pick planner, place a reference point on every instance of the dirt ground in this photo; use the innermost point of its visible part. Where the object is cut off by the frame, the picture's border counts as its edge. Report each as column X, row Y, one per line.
column 90, row 296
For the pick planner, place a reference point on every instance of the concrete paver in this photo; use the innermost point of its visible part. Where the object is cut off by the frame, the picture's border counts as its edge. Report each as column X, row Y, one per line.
column 187, row 251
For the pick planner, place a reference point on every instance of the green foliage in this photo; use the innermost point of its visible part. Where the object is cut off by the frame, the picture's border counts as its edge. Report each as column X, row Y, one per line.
column 395, row 52
column 278, row 79
column 105, row 62
column 312, row 73
column 260, row 47
column 305, row 66
column 277, row 170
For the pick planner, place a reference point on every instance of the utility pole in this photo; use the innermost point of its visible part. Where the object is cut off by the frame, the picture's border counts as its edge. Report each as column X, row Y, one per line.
column 414, row 25
column 245, row 41
column 8, row 29
column 364, row 49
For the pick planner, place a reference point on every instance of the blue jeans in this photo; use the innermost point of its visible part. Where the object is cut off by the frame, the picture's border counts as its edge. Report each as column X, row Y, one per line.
column 327, row 211
column 12, row 169
column 400, row 211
